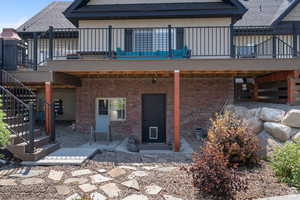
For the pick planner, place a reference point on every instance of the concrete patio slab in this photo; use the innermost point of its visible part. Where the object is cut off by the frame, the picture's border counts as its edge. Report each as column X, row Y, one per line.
column 65, row 156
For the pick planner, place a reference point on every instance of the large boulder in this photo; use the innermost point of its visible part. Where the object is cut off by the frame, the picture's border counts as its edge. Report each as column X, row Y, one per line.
column 271, row 115
column 255, row 112
column 279, row 131
column 296, row 136
column 239, row 111
column 292, row 118
column 267, row 144
column 255, row 125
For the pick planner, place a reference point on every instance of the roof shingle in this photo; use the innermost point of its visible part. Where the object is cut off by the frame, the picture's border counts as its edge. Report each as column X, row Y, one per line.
column 52, row 15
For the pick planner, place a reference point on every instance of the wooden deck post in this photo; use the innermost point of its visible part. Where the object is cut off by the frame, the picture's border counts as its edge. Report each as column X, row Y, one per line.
column 255, row 92
column 48, row 110
column 291, row 90
column 176, row 111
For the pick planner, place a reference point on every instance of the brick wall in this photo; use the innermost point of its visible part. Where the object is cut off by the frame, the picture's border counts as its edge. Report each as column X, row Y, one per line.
column 200, row 97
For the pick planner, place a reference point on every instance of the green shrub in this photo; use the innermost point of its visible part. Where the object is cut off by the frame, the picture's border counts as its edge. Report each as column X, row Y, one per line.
column 4, row 132
column 286, row 163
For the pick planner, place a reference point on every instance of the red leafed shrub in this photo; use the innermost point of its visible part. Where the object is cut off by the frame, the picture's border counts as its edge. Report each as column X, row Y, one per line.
column 235, row 140
column 212, row 175
column 229, row 145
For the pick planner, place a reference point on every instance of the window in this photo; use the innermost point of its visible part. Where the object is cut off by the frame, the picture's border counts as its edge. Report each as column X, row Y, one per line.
column 153, row 39
column 118, row 109
column 248, row 51
column 114, row 108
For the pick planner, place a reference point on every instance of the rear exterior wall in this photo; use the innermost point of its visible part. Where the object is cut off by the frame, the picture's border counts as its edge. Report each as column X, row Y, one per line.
column 200, row 98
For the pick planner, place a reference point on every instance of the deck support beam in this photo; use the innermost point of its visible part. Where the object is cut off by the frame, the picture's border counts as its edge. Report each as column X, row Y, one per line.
column 176, row 144
column 48, row 110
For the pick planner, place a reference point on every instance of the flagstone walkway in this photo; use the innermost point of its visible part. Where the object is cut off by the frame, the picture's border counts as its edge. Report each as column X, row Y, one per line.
column 103, row 178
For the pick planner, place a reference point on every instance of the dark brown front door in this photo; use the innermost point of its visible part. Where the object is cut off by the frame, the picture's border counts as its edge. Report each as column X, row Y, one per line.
column 154, row 118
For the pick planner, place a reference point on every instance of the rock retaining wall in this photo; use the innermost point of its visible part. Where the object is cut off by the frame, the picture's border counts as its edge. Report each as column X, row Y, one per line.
column 273, row 127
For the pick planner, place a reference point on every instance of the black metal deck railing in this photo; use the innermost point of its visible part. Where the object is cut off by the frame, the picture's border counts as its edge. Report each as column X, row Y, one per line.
column 163, row 43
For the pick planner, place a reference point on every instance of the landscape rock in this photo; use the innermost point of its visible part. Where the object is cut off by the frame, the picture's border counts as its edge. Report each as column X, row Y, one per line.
column 97, row 196
column 75, row 196
column 7, row 182
column 55, row 175
column 268, row 144
column 116, row 172
column 255, row 112
column 255, row 125
column 111, row 190
column 87, row 187
column 99, row 179
column 132, row 147
column 136, row 197
column 62, row 189
column 27, row 173
column 32, row 181
column 279, row 131
column 239, row 111
column 296, row 137
column 132, row 184
column 153, row 189
column 137, row 174
column 78, row 181
column 102, row 170
column 292, row 118
column 271, row 115
column 81, row 172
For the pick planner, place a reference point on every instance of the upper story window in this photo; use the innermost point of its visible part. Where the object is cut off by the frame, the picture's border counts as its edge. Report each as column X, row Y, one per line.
column 153, row 39
column 249, row 51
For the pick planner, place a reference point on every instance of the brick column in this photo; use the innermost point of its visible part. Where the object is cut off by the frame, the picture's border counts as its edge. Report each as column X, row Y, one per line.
column 176, row 144
column 48, row 99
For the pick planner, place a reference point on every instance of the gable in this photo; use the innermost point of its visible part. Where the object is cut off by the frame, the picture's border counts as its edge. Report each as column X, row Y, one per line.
column 153, row 9
column 294, row 15
column 287, row 12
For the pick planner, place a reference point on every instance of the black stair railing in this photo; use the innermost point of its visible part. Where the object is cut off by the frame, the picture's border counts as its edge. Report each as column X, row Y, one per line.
column 19, row 117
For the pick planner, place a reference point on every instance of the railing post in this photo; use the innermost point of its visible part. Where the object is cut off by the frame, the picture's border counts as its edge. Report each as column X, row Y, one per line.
column 52, row 124
column 274, row 45
column 31, row 128
column 170, row 40
column 35, row 51
column 109, row 41
column 51, row 38
column 295, row 41
column 1, row 53
column 232, row 48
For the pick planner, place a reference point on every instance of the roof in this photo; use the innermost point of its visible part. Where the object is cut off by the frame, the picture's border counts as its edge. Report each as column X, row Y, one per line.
column 285, row 8
column 52, row 15
column 265, row 12
column 79, row 9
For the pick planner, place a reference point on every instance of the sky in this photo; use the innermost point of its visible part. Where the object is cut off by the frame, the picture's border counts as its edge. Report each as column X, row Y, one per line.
column 14, row 13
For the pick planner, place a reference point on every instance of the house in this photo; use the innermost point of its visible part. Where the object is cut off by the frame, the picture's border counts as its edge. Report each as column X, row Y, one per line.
column 158, row 69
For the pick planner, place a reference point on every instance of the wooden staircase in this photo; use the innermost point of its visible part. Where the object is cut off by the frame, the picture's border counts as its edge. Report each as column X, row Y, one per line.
column 20, row 104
